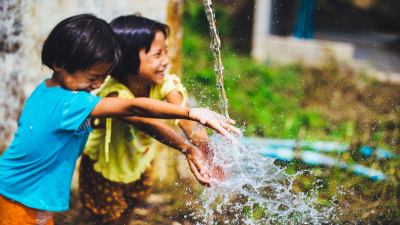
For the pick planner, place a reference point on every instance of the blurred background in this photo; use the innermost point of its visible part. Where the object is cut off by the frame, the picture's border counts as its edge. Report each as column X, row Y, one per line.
column 316, row 84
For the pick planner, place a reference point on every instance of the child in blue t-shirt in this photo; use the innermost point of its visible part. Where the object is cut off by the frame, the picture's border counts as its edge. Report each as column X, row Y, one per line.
column 36, row 169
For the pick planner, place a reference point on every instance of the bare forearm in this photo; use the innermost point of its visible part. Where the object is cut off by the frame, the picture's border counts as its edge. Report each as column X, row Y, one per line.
column 160, row 132
column 146, row 107
column 158, row 109
column 168, row 136
column 194, row 132
column 117, row 107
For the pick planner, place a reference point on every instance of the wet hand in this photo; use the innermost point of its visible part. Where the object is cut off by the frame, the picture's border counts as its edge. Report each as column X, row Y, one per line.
column 216, row 172
column 215, row 121
column 198, row 165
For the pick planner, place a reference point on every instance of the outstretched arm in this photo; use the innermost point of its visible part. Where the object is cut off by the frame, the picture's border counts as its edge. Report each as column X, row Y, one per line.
column 146, row 107
column 168, row 136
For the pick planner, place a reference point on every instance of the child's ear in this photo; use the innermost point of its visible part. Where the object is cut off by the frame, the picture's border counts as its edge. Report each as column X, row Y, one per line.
column 56, row 68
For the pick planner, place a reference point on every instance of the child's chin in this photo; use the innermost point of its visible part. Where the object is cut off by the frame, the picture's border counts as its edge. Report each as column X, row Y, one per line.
column 158, row 81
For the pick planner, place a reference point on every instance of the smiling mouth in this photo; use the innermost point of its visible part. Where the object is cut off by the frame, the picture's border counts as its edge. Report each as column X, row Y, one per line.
column 160, row 73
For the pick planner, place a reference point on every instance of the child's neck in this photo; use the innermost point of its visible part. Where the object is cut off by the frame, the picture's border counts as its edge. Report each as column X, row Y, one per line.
column 53, row 81
column 138, row 87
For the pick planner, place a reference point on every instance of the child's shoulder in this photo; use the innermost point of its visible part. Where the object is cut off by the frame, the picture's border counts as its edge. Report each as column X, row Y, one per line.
column 42, row 91
column 172, row 77
column 170, row 83
column 170, row 80
column 111, row 85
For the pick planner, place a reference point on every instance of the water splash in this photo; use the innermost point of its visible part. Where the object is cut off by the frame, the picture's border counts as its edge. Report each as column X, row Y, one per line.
column 256, row 191
column 216, row 49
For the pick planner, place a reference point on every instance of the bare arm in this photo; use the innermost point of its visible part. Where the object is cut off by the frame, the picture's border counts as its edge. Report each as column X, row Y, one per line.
column 197, row 136
column 193, row 131
column 168, row 136
column 146, row 107
column 159, row 131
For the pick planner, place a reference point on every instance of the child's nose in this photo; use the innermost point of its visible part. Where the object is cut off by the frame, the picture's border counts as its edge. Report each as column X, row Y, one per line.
column 165, row 62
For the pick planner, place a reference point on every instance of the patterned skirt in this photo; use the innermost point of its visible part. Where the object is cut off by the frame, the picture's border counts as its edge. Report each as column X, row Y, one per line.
column 105, row 200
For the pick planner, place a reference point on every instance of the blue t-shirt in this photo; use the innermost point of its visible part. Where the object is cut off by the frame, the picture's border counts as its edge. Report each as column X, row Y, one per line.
column 36, row 169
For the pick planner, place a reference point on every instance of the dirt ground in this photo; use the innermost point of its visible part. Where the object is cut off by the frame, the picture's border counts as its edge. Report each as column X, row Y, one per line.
column 343, row 95
column 160, row 208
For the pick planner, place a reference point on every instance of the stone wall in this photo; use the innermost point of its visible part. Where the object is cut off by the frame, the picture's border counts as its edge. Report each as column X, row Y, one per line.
column 26, row 23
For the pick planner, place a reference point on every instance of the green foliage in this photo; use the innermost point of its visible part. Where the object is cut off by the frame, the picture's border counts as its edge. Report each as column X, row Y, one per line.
column 327, row 103
column 195, row 19
column 266, row 100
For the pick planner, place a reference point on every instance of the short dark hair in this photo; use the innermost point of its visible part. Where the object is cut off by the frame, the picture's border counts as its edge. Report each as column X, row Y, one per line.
column 79, row 42
column 134, row 33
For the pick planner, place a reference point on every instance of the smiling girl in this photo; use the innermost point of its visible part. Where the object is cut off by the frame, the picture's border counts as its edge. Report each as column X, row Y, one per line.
column 118, row 156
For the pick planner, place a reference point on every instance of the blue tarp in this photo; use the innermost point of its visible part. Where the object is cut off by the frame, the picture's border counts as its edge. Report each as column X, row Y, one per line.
column 310, row 153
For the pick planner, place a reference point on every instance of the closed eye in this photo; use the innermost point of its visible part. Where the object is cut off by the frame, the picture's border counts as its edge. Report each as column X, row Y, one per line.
column 157, row 54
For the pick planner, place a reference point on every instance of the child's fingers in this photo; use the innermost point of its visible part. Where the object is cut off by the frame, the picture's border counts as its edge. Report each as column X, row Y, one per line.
column 231, row 121
column 217, row 127
column 199, row 164
column 202, row 179
column 233, row 129
column 216, row 122
column 226, row 123
column 223, row 131
column 223, row 118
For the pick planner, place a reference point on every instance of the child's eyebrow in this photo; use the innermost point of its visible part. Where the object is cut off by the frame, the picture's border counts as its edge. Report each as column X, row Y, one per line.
column 156, row 51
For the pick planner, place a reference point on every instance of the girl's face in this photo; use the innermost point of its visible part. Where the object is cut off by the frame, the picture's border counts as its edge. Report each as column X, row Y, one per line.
column 83, row 80
column 154, row 63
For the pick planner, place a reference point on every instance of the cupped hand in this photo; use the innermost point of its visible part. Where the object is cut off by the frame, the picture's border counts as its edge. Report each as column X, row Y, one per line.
column 198, row 165
column 217, row 172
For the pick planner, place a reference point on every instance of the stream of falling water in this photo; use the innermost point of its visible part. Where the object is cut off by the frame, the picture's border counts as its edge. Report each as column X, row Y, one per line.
column 255, row 190
column 216, row 49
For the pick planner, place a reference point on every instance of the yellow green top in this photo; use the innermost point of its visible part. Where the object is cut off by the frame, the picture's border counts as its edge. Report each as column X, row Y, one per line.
column 120, row 151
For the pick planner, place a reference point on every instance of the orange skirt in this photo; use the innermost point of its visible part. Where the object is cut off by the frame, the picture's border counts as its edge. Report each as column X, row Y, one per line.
column 14, row 213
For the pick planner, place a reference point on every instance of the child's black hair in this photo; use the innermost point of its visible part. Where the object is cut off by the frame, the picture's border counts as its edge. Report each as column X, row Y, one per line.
column 79, row 42
column 134, row 33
